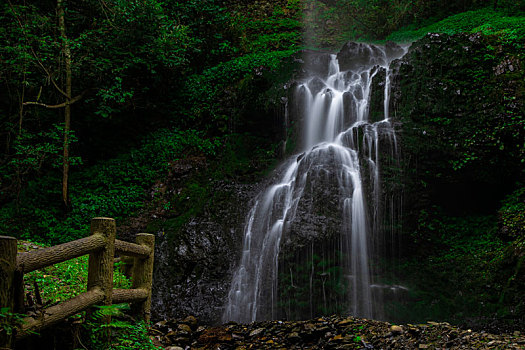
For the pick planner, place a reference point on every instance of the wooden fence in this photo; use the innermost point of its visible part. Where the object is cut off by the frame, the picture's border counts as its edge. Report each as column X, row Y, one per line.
column 101, row 246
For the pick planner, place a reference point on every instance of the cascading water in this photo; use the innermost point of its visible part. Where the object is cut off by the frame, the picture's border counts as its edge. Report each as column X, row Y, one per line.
column 340, row 150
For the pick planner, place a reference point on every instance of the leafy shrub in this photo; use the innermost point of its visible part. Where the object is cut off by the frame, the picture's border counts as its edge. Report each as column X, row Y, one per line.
column 9, row 322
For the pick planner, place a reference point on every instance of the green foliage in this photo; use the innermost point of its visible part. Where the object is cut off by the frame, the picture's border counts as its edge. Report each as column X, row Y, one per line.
column 33, row 151
column 135, row 64
column 329, row 23
column 509, row 27
column 142, row 42
column 269, row 35
column 114, row 188
column 119, row 334
column 208, row 90
column 274, row 29
column 123, row 54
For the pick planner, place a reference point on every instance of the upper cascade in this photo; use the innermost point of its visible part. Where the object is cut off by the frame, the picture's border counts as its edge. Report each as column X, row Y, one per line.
column 337, row 88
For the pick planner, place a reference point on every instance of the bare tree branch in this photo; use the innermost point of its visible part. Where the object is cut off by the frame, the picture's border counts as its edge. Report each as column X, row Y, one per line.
column 48, row 74
column 61, row 105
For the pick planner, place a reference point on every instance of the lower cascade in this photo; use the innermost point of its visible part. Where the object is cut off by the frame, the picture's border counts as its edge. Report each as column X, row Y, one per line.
column 310, row 237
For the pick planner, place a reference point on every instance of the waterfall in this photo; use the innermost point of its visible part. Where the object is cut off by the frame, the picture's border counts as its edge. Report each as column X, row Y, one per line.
column 340, row 152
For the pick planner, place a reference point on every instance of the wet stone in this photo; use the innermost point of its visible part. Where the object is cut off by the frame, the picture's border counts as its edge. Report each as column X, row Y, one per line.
column 345, row 322
column 396, row 330
column 328, row 333
column 184, row 329
column 257, row 332
column 293, row 337
column 190, row 321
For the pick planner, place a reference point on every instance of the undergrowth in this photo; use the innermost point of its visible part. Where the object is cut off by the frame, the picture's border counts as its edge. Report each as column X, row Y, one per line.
column 119, row 334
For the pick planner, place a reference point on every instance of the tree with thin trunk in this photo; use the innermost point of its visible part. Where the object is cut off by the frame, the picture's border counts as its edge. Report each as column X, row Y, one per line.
column 67, row 109
column 66, row 93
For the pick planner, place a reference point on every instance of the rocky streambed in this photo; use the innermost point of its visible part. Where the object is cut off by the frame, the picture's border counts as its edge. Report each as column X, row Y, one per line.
column 326, row 333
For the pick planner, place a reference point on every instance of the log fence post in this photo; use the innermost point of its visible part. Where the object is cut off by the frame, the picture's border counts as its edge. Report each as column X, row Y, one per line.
column 101, row 247
column 8, row 252
column 143, row 276
column 100, row 267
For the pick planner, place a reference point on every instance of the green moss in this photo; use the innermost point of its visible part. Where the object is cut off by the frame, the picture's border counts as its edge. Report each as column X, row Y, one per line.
column 509, row 28
column 454, row 108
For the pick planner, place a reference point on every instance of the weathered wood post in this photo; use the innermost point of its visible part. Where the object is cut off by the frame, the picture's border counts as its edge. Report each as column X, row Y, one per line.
column 8, row 252
column 100, row 267
column 143, row 276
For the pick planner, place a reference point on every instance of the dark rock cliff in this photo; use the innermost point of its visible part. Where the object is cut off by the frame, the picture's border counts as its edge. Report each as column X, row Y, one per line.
column 195, row 261
column 458, row 102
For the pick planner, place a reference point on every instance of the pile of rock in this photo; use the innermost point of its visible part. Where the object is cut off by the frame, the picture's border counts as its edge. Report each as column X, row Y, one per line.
column 326, row 333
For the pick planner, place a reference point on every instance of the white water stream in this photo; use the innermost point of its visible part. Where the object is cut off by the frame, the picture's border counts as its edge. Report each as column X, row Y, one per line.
column 338, row 137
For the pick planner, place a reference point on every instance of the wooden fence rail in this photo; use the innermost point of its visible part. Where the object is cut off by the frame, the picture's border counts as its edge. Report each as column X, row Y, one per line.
column 101, row 246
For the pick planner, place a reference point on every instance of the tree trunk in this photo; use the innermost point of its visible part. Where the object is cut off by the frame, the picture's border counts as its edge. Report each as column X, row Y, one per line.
column 7, row 292
column 67, row 110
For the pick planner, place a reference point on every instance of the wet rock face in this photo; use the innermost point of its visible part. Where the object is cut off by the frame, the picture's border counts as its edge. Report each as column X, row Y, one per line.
column 318, row 212
column 455, row 96
column 315, row 62
column 193, row 264
column 377, row 97
column 393, row 50
column 354, row 55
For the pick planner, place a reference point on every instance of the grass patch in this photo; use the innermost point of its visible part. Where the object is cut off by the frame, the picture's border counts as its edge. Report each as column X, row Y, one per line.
column 66, row 280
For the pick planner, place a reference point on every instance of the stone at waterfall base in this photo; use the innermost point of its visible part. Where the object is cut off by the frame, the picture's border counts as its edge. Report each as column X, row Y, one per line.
column 332, row 332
